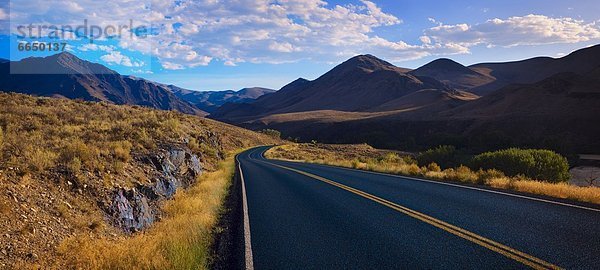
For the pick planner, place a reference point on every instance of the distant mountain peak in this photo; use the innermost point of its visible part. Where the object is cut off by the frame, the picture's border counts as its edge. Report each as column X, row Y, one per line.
column 452, row 73
column 66, row 75
column 61, row 63
column 366, row 61
column 444, row 62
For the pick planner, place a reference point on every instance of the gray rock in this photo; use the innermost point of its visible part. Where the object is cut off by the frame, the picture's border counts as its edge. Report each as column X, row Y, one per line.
column 132, row 210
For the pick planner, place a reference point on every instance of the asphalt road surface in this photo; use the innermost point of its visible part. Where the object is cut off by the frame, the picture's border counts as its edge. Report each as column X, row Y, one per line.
column 307, row 216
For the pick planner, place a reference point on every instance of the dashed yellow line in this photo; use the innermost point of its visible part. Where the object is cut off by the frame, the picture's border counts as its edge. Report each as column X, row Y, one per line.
column 507, row 251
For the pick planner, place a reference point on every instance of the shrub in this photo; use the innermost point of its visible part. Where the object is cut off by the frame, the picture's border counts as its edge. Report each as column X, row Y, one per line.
column 87, row 155
column 413, row 169
column 391, row 158
column 444, row 155
column 40, row 159
column 271, row 132
column 533, row 163
column 433, row 167
column 487, row 175
column 409, row 160
column 122, row 150
column 461, row 174
column 74, row 166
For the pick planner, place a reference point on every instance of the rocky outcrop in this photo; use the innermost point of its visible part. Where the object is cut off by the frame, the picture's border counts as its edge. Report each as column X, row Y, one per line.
column 178, row 168
column 131, row 210
column 135, row 209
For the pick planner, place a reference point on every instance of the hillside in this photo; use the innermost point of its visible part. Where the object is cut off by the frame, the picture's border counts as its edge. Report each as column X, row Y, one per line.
column 558, row 113
column 453, row 74
column 209, row 101
column 64, row 75
column 360, row 84
column 535, row 69
column 76, row 169
column 356, row 103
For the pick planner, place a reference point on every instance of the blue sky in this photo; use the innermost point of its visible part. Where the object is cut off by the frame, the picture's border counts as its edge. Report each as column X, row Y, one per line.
column 215, row 45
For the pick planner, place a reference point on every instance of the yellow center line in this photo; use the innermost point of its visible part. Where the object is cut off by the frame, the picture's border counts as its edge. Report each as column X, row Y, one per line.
column 509, row 252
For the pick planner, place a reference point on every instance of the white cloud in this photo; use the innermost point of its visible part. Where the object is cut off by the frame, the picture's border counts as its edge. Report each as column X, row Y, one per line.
column 425, row 39
column 171, row 66
column 95, row 47
column 115, row 57
column 194, row 33
column 282, row 47
column 142, row 71
column 515, row 31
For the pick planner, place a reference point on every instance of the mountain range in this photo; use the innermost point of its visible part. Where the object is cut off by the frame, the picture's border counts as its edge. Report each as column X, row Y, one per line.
column 66, row 76
column 209, row 101
column 538, row 102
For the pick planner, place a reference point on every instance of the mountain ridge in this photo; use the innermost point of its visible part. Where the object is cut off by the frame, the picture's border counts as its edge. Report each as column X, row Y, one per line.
column 67, row 76
column 209, row 101
column 535, row 113
column 359, row 84
column 452, row 73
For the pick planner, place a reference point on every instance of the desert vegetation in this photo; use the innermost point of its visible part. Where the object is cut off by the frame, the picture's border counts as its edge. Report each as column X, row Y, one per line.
column 180, row 241
column 483, row 169
column 533, row 163
column 63, row 161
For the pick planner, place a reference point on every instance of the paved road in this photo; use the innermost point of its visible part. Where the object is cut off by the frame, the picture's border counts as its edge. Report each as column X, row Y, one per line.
column 307, row 216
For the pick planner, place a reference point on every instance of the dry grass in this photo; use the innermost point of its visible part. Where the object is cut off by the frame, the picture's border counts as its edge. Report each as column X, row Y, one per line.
column 560, row 190
column 62, row 160
column 180, row 241
column 402, row 165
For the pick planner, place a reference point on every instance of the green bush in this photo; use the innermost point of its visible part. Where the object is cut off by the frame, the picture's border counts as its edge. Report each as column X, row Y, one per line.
column 534, row 163
column 444, row 155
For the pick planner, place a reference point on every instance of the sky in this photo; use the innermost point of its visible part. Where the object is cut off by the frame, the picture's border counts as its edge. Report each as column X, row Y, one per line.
column 218, row 44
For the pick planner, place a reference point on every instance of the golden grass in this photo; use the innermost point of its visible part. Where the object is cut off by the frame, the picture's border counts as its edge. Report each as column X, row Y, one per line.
column 402, row 166
column 181, row 240
column 558, row 190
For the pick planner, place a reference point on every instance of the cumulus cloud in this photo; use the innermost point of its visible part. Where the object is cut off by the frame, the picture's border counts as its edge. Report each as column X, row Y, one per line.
column 95, row 47
column 171, row 66
column 192, row 33
column 515, row 31
column 115, row 57
column 184, row 34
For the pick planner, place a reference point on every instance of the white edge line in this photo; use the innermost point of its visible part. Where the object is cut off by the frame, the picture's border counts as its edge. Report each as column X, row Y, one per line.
column 457, row 185
column 247, row 241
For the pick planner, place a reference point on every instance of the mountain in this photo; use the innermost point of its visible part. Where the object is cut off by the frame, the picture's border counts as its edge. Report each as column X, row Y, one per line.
column 559, row 113
column 2, row 60
column 67, row 76
column 453, row 74
column 360, row 84
column 209, row 101
column 539, row 102
column 535, row 69
column 563, row 95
